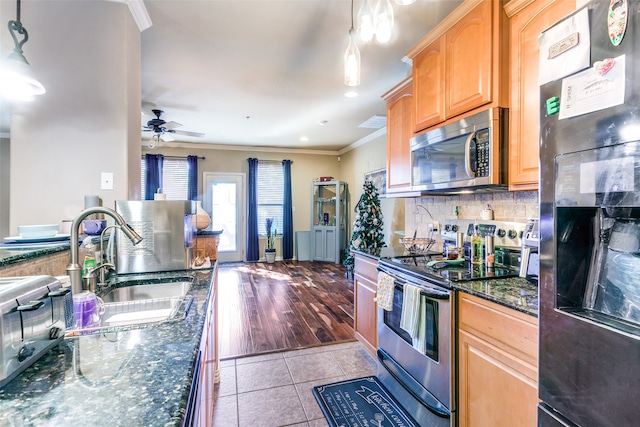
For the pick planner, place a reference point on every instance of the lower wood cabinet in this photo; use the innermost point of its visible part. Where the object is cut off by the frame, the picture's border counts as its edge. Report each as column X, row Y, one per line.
column 208, row 369
column 365, row 285
column 497, row 365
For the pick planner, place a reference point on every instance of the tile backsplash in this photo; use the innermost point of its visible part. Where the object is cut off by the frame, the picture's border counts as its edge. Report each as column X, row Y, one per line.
column 507, row 206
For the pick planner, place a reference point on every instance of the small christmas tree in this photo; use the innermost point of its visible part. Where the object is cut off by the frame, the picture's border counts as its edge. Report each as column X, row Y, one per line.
column 367, row 227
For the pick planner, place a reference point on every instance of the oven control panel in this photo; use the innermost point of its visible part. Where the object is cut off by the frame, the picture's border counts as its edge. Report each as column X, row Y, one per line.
column 506, row 234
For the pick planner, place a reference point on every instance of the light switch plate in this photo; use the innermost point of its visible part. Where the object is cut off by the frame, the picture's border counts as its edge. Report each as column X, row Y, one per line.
column 106, row 181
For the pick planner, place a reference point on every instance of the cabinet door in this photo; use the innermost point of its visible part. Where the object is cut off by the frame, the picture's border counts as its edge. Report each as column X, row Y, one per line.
column 399, row 132
column 469, row 51
column 492, row 389
column 525, row 26
column 366, row 309
column 429, row 84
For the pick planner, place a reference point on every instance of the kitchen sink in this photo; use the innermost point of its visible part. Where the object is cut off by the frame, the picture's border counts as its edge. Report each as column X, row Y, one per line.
column 130, row 305
column 135, row 304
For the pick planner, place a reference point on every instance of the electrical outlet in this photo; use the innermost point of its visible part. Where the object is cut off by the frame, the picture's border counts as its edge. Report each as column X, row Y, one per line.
column 106, row 181
column 434, row 226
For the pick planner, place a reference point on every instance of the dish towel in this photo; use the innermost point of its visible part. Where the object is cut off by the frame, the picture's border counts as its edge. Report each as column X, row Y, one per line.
column 413, row 316
column 384, row 294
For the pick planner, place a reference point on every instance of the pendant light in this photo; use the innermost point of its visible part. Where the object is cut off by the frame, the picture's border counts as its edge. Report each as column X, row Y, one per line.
column 365, row 22
column 352, row 58
column 383, row 21
column 17, row 80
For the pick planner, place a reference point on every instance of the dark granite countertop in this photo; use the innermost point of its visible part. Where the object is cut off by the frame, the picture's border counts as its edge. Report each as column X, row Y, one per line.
column 516, row 293
column 127, row 378
column 10, row 255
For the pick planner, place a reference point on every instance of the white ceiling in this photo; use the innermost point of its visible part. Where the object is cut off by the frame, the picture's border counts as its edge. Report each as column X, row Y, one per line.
column 263, row 73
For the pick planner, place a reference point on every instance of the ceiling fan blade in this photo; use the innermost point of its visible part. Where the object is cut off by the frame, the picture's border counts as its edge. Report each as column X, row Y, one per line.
column 171, row 125
column 167, row 137
column 187, row 133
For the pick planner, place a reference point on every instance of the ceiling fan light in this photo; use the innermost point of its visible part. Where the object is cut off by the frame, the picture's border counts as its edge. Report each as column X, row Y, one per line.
column 352, row 62
column 383, row 21
column 365, row 22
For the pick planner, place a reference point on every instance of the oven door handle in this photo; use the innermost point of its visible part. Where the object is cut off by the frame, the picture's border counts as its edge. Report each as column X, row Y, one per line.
column 430, row 293
column 412, row 386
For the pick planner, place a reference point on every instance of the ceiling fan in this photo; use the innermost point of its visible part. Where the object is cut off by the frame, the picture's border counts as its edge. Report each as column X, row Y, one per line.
column 163, row 130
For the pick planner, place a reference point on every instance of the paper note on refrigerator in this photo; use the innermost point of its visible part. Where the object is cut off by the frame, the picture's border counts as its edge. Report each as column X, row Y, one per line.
column 565, row 48
column 590, row 91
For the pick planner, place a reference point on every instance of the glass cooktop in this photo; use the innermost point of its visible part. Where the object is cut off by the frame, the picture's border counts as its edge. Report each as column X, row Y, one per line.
column 455, row 272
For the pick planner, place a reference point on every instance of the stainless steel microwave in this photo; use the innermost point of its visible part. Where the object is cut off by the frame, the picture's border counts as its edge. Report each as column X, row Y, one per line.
column 467, row 155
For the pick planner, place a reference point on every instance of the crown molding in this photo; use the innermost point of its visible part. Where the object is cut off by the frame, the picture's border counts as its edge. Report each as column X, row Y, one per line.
column 139, row 12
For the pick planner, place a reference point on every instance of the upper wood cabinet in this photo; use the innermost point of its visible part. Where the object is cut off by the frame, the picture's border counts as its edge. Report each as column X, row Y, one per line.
column 461, row 65
column 430, row 86
column 399, row 132
column 528, row 19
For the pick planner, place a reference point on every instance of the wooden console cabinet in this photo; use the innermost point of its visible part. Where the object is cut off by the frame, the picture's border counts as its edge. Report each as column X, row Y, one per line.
column 497, row 365
column 365, row 287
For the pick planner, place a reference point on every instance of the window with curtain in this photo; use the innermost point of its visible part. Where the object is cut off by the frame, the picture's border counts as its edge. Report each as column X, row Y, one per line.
column 270, row 195
column 175, row 178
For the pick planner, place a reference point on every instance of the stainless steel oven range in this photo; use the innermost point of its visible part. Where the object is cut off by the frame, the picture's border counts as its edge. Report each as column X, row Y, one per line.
column 421, row 380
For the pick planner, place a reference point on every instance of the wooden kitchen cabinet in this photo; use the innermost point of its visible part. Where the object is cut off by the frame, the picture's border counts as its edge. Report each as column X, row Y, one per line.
column 461, row 65
column 399, row 132
column 365, row 285
column 528, row 19
column 209, row 362
column 497, row 365
column 429, row 86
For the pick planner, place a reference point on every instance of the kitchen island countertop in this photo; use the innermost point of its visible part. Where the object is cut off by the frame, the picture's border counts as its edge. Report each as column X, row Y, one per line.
column 136, row 377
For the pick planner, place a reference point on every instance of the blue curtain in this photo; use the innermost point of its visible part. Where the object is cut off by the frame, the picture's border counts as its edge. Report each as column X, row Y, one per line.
column 287, row 213
column 153, row 180
column 253, row 248
column 192, row 184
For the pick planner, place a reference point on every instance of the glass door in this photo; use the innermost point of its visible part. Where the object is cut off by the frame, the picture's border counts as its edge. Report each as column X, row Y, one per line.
column 223, row 195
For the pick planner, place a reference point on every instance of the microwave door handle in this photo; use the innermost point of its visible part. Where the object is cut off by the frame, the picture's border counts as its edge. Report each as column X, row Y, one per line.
column 467, row 156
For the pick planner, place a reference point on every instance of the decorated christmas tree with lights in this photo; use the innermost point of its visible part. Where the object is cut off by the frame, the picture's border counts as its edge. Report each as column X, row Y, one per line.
column 367, row 228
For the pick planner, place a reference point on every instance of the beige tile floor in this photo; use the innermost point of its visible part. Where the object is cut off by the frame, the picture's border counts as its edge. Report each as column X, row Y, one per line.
column 274, row 390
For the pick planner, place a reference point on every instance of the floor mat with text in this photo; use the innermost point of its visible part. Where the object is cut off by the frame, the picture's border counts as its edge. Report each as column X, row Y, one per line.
column 361, row 402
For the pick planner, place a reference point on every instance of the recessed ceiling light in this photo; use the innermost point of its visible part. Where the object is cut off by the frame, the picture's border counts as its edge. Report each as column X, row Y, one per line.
column 323, row 122
column 351, row 94
column 304, row 139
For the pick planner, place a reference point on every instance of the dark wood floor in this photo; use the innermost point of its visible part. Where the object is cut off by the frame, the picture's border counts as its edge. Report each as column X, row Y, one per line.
column 268, row 307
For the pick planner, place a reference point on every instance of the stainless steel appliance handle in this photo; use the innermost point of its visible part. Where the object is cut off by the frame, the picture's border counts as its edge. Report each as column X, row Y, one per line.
column 429, row 293
column 467, row 155
column 412, row 386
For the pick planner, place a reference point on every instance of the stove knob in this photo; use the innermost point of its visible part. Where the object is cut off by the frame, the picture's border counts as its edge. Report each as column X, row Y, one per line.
column 454, row 228
column 501, row 233
column 447, row 227
column 513, row 234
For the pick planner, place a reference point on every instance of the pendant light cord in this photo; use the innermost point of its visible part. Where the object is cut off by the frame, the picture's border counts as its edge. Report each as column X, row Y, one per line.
column 16, row 27
column 351, row 16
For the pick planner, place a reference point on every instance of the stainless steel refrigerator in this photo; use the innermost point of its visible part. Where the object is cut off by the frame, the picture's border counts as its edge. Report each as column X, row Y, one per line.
column 589, row 287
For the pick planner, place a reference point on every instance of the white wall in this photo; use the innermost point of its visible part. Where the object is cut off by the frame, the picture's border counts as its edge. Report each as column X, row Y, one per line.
column 87, row 55
column 354, row 164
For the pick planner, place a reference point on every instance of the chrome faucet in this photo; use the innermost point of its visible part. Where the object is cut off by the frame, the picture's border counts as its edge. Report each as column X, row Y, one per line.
column 74, row 269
